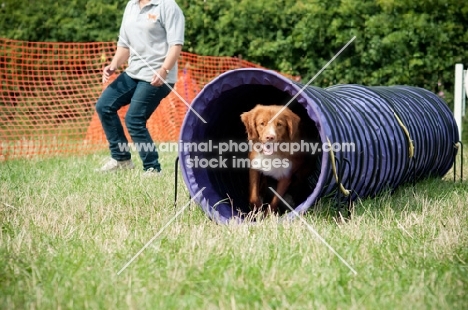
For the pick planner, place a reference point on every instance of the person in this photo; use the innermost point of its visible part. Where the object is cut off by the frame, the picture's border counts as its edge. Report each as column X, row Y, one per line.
column 150, row 39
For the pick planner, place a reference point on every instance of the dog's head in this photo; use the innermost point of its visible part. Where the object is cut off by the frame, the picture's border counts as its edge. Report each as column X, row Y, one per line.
column 264, row 124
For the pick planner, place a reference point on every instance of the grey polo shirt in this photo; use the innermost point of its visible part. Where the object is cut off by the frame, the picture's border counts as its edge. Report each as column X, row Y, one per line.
column 148, row 33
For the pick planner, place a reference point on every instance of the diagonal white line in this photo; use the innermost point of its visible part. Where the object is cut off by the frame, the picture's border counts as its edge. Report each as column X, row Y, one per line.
column 402, row 228
column 312, row 79
column 165, row 82
column 314, row 231
column 159, row 232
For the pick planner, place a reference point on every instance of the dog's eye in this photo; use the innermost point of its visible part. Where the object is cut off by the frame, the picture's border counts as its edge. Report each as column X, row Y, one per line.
column 262, row 124
column 279, row 125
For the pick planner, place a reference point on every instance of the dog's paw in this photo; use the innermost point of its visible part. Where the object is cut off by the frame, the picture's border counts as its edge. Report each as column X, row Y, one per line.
column 271, row 209
column 255, row 204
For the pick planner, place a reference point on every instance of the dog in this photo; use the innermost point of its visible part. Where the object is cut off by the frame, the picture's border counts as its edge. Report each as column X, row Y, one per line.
column 268, row 128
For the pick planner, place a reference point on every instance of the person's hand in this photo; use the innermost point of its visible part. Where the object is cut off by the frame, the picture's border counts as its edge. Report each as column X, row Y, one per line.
column 106, row 73
column 158, row 80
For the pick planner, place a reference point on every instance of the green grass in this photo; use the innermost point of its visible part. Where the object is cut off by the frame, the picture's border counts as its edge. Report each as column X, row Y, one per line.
column 66, row 232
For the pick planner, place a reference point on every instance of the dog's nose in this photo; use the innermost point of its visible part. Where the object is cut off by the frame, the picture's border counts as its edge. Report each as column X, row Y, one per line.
column 270, row 137
column 269, row 134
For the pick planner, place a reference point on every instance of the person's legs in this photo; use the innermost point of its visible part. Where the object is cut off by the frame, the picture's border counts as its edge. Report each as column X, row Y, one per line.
column 114, row 97
column 144, row 102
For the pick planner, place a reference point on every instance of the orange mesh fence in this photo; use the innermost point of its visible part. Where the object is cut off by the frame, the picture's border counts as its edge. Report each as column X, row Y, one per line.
column 48, row 93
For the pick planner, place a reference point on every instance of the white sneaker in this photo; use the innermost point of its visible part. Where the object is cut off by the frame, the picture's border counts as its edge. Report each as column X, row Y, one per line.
column 113, row 165
column 151, row 172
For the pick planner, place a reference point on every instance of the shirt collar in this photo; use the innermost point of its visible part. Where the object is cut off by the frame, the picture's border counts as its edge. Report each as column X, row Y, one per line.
column 153, row 2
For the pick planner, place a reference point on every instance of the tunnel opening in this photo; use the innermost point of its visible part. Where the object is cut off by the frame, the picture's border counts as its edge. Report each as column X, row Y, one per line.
column 220, row 165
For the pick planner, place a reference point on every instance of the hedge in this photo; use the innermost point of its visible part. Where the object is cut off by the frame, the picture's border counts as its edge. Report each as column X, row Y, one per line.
column 397, row 41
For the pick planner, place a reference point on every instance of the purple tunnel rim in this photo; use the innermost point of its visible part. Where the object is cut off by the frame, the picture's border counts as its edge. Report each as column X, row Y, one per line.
column 196, row 180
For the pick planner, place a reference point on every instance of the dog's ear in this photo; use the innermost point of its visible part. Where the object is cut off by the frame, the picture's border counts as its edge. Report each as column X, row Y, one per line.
column 293, row 124
column 248, row 118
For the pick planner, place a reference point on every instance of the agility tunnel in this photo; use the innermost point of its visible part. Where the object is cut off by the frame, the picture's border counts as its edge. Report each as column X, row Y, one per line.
column 400, row 134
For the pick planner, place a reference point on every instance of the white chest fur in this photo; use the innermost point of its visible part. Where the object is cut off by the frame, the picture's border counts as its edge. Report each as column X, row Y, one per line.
column 273, row 165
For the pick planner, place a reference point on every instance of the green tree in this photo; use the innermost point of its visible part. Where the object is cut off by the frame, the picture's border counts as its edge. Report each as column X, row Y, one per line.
column 70, row 21
column 397, row 41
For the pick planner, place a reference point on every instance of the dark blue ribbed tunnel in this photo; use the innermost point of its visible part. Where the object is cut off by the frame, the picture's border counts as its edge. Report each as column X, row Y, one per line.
column 387, row 134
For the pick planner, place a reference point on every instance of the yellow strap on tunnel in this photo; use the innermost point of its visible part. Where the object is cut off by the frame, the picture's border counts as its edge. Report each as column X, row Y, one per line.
column 405, row 130
column 332, row 155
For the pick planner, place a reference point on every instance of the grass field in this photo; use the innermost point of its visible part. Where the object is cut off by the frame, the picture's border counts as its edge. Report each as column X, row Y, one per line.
column 67, row 231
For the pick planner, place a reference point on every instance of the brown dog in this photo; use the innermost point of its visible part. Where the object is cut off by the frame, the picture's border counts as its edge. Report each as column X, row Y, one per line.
column 270, row 134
